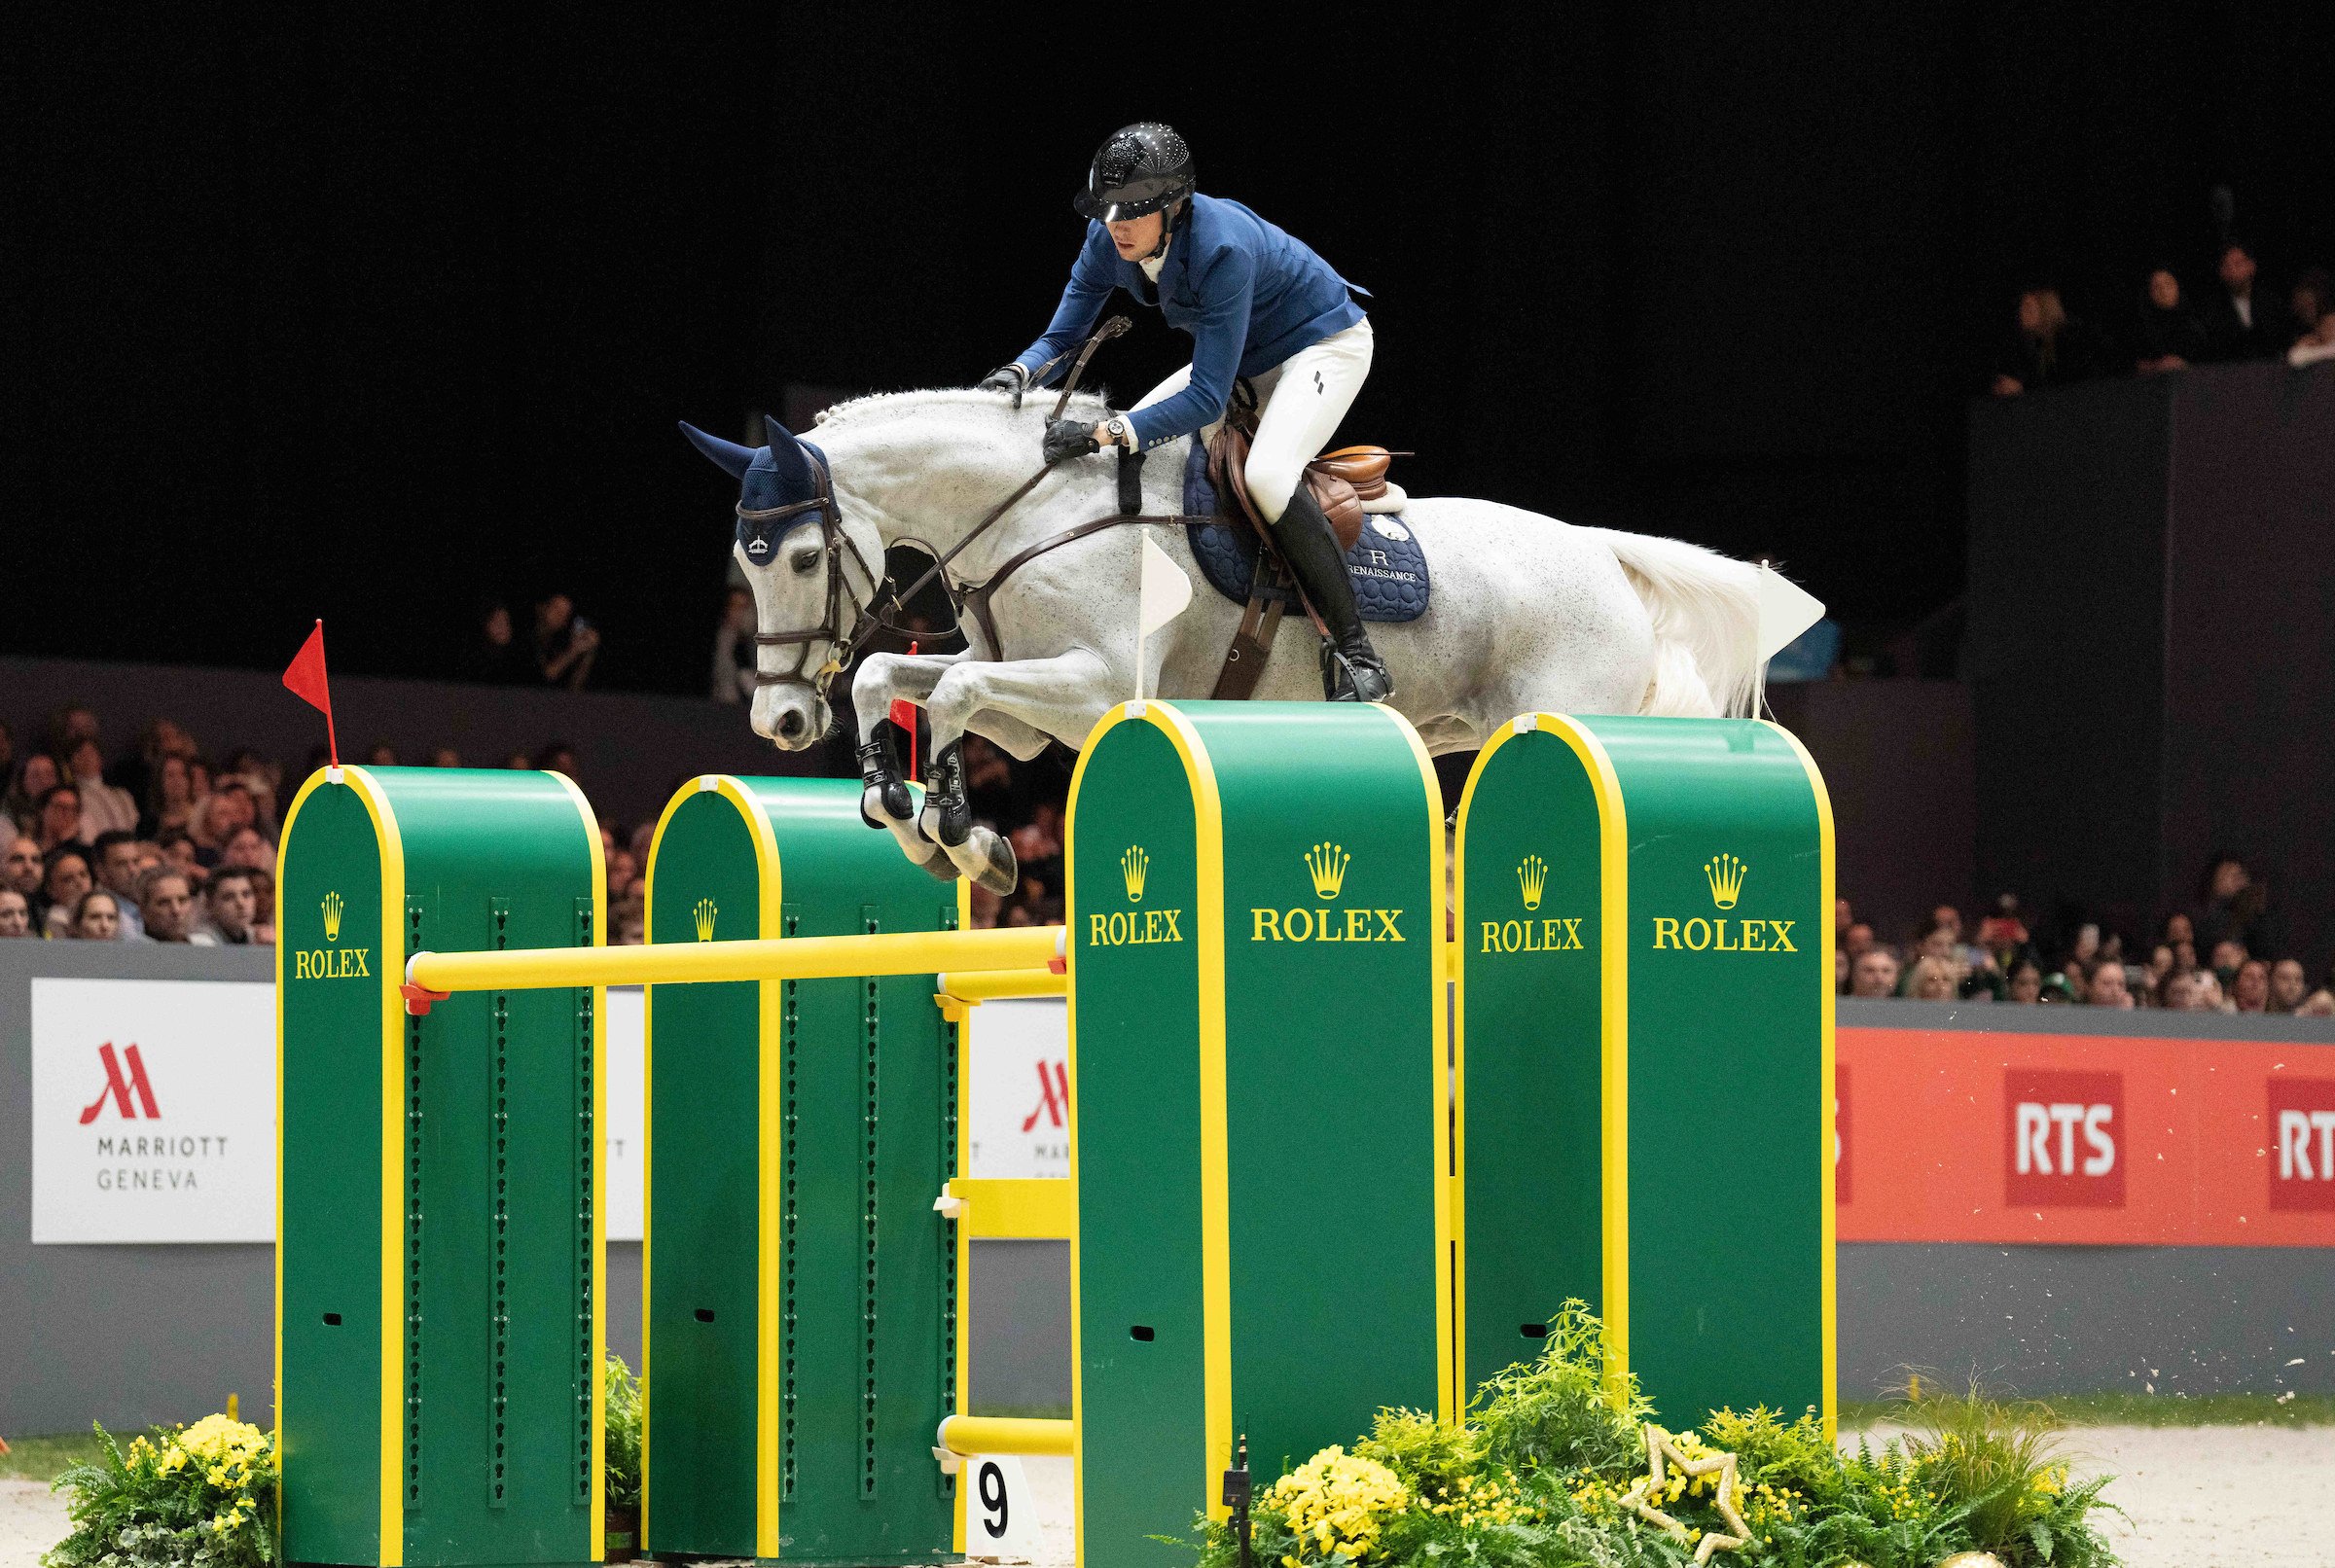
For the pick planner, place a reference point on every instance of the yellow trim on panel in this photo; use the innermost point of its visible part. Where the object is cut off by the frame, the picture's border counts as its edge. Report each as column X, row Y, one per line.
column 1451, row 1393
column 599, row 1174
column 391, row 1517
column 1826, row 892
column 1038, row 1208
column 1216, row 1239
column 1613, row 1012
column 962, row 1395
column 1215, row 1156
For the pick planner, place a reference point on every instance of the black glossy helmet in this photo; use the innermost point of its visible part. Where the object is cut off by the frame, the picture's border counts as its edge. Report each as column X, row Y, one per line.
column 1137, row 171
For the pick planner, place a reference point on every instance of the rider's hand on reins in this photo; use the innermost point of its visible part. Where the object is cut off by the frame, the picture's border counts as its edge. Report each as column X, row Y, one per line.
column 1006, row 378
column 1067, row 439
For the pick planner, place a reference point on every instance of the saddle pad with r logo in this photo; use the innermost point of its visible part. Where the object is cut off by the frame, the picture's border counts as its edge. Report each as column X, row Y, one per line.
column 1386, row 566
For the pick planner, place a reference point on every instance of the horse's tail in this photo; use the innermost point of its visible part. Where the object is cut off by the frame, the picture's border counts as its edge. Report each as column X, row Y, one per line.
column 1705, row 613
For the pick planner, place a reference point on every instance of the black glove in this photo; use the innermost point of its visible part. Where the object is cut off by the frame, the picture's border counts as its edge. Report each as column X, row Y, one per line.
column 1006, row 378
column 1067, row 439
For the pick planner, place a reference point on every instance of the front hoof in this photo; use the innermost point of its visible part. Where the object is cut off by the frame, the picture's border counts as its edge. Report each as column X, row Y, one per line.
column 1000, row 872
column 938, row 865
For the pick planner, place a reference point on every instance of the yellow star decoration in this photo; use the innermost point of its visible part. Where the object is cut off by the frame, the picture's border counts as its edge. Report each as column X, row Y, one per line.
column 1638, row 1500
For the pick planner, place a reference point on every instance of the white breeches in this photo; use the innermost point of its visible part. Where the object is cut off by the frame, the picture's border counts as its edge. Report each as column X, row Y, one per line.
column 1301, row 402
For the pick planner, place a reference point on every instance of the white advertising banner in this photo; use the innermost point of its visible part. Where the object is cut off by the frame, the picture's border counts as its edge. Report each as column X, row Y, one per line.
column 1020, row 1091
column 626, row 1111
column 153, row 1111
column 154, row 1107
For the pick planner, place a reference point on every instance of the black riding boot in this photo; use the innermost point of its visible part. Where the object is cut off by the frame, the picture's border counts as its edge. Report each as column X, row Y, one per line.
column 1350, row 670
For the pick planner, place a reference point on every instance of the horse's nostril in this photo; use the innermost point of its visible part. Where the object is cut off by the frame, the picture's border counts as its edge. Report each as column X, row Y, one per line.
column 790, row 724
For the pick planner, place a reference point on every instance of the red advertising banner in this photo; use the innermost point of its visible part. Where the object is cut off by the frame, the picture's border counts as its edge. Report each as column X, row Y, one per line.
column 1983, row 1136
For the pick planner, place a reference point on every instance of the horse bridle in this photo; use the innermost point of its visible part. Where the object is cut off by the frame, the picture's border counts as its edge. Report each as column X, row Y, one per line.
column 841, row 641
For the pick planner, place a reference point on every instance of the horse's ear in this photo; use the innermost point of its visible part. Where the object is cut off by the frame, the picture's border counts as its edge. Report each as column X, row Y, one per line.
column 730, row 457
column 786, row 457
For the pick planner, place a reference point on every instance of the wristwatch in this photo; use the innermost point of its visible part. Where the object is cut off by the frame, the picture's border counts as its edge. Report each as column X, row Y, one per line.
column 1119, row 433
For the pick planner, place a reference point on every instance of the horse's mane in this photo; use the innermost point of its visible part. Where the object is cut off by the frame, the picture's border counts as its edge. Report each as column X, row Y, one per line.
column 876, row 405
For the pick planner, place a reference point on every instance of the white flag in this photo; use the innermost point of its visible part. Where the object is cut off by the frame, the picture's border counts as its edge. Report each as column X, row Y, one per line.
column 1165, row 588
column 1165, row 592
column 1785, row 610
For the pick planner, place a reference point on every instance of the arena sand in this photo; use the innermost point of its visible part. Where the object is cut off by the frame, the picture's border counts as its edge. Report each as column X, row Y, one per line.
column 2199, row 1497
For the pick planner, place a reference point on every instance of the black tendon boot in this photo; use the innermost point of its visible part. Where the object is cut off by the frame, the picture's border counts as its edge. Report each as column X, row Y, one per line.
column 1350, row 670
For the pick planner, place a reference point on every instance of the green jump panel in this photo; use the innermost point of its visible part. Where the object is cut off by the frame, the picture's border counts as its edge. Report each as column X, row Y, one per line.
column 1645, row 1019
column 1258, row 1100
column 803, row 1301
column 438, row 1321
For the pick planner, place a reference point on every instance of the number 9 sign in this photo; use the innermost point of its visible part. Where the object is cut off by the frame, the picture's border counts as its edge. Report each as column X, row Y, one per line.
column 1001, row 1518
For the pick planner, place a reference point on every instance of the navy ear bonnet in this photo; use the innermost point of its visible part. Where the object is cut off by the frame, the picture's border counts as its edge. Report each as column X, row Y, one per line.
column 769, row 479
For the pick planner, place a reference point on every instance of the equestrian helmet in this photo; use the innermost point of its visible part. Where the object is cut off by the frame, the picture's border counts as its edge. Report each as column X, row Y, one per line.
column 1136, row 171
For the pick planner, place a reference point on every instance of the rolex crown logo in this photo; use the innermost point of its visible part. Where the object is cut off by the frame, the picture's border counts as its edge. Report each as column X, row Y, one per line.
column 1532, row 877
column 1725, row 874
column 1328, row 863
column 1133, row 865
column 332, row 916
column 704, row 912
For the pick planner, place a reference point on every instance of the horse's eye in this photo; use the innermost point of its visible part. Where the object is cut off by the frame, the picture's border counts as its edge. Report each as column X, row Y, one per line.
column 805, row 560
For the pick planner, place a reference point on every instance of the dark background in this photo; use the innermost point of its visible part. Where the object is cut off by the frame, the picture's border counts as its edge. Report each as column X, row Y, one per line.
column 344, row 313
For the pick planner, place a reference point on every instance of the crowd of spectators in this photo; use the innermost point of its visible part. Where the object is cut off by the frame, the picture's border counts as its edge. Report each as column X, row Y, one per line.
column 160, row 841
column 163, row 843
column 2215, row 957
column 2239, row 318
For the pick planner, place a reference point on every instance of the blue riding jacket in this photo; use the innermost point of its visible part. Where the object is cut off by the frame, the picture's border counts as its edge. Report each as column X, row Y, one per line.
column 1249, row 294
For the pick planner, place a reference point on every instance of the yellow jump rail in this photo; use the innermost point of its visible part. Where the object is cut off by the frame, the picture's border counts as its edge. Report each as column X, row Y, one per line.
column 432, row 977
column 963, row 1436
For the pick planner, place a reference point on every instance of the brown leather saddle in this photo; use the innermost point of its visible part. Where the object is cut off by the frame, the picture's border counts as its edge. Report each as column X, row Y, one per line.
column 1341, row 482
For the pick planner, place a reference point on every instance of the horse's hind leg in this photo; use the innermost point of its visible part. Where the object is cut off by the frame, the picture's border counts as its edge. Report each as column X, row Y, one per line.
column 1063, row 696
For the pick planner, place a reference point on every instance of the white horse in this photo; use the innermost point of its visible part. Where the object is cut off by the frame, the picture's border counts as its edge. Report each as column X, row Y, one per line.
column 1528, row 613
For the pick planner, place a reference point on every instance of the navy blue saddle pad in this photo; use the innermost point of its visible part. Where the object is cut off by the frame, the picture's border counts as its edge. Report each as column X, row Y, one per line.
column 1388, row 569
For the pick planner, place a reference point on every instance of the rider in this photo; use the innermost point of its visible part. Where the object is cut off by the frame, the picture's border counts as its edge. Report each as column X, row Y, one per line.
column 1259, row 305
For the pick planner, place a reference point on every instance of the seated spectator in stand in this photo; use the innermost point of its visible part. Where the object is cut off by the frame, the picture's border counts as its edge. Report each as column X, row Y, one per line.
column 2233, row 909
column 2313, row 301
column 1875, row 974
column 15, row 913
column 248, row 850
column 2167, row 336
column 104, row 809
column 498, row 658
column 2050, row 348
column 226, row 811
column 2289, row 985
column 21, row 869
column 733, row 649
column 2206, row 994
column 66, row 878
column 446, row 756
column 2086, row 951
column 59, row 821
column 232, row 908
column 171, row 802
column 2107, row 985
column 96, row 918
column 178, row 849
column 117, row 869
column 1979, row 988
column 565, row 644
column 35, row 779
column 263, row 898
column 1860, row 940
column 2003, row 933
column 2229, row 957
column 1840, row 970
column 2239, row 324
column 1932, row 979
column 167, row 901
column 382, row 755
column 2025, row 983
column 2160, row 970
column 2178, row 994
column 2320, row 1004
column 2250, row 993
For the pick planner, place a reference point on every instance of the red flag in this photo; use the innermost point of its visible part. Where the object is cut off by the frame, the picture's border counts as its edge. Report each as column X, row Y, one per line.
column 305, row 679
column 903, row 714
